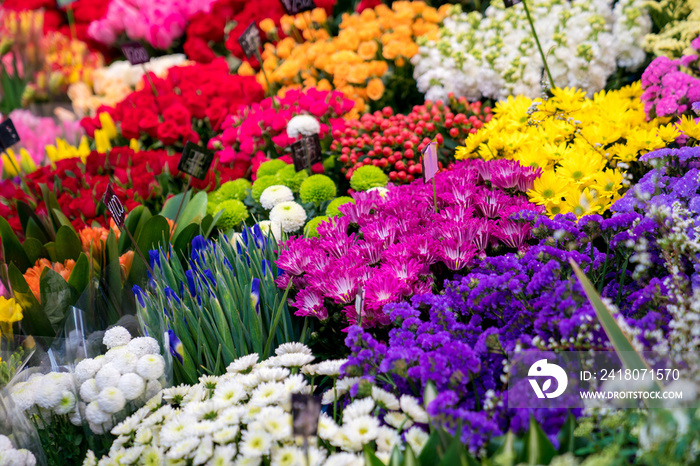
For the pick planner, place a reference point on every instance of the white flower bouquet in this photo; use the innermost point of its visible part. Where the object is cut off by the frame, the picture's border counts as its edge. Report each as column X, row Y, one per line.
column 244, row 417
column 495, row 55
column 19, row 442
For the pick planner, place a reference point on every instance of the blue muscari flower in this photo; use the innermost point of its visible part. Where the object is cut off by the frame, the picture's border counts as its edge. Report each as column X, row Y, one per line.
column 228, row 264
column 154, row 258
column 255, row 294
column 280, row 271
column 139, row 293
column 210, row 276
column 190, row 282
column 244, row 236
column 239, row 248
column 171, row 295
column 176, row 347
column 258, row 235
column 168, row 314
column 266, row 267
column 199, row 246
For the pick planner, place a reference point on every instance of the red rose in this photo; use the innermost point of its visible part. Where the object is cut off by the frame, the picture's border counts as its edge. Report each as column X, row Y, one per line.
column 179, row 114
column 364, row 4
column 84, row 204
column 130, row 125
column 168, row 132
column 206, row 27
column 196, row 104
column 189, row 135
column 149, row 123
column 216, row 114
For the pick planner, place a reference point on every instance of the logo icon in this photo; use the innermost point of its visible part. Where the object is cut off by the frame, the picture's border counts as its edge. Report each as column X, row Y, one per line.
column 542, row 368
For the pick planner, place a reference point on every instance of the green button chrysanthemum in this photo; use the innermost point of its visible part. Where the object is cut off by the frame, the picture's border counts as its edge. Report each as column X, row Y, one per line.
column 234, row 212
column 310, row 228
column 367, row 177
column 332, row 209
column 271, row 167
column 316, row 189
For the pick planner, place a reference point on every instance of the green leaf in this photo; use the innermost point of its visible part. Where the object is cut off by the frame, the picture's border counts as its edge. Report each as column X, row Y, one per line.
column 56, row 296
column 429, row 451
column 538, row 449
column 183, row 241
column 134, row 222
column 370, row 458
column 195, row 211
column 567, row 440
column 155, row 234
column 80, row 276
column 170, row 208
column 62, row 220
column 34, row 248
column 457, row 454
column 35, row 231
column 508, row 453
column 68, row 245
column 34, row 321
column 429, row 394
column 12, row 248
column 409, row 458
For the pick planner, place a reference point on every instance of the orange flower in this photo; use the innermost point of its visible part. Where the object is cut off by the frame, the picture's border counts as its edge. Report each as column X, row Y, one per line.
column 318, row 15
column 267, row 25
column 375, row 89
column 245, row 69
column 367, row 50
column 33, row 275
column 125, row 262
column 358, row 74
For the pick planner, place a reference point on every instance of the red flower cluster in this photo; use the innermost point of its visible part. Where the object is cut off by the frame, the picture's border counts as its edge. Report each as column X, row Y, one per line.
column 394, row 142
column 55, row 19
column 207, row 31
column 191, row 105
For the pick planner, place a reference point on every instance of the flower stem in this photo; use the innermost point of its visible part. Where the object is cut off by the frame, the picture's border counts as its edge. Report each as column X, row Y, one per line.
column 537, row 40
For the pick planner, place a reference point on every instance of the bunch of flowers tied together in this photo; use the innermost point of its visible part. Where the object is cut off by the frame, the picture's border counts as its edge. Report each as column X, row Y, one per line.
column 532, row 301
column 584, row 147
column 369, row 47
column 672, row 86
column 244, row 416
column 191, row 104
column 495, row 55
column 397, row 243
column 260, row 130
column 394, row 143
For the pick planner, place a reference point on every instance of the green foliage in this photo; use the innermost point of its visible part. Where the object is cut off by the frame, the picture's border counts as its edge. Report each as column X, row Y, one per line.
column 316, row 189
column 367, row 177
column 9, row 367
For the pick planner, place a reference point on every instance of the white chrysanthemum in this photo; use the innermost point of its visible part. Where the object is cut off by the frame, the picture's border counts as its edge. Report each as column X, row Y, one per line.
column 116, row 336
column 358, row 408
column 89, row 390
column 274, row 195
column 275, row 228
column 132, row 385
column 48, row 395
column 223, row 455
column 152, row 389
column 126, row 427
column 249, row 381
column 363, row 429
column 385, row 399
column 268, row 393
column 111, row 400
column 416, row 438
column 75, row 418
column 225, row 435
column 95, row 415
column 387, row 438
column 66, row 404
column 293, row 347
column 19, row 457
column 174, row 429
column 63, row 380
column 175, row 395
column 232, row 415
column 204, row 451
column 23, row 395
column 108, row 376
column 243, row 363
column 344, row 459
column 295, row 359
column 86, row 369
column 231, row 392
column 331, row 367
column 209, row 381
column 152, row 456
column 131, row 455
column 290, row 215
column 380, row 189
column 255, row 443
column 5, row 443
column 276, row 422
column 305, row 125
column 125, row 362
column 412, row 407
column 251, row 413
column 144, row 436
column 327, row 428
column 272, row 374
column 398, row 420
column 288, row 456
column 295, row 383
column 182, row 448
column 150, row 366
column 142, row 346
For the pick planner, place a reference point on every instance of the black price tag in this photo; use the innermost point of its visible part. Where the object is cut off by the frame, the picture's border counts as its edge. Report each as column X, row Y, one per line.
column 114, row 206
column 312, row 144
column 195, row 160
column 8, row 134
column 293, row 7
column 135, row 53
column 250, row 40
column 305, row 412
column 510, row 3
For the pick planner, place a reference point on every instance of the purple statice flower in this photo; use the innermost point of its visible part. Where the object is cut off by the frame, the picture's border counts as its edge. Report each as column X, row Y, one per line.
column 396, row 246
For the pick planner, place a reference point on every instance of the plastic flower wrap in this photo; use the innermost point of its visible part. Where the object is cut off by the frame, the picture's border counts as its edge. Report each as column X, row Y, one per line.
column 496, row 56
column 19, row 442
column 394, row 245
column 224, row 305
column 368, row 57
column 111, row 84
column 245, row 416
column 678, row 22
column 585, row 147
column 394, row 142
column 672, row 86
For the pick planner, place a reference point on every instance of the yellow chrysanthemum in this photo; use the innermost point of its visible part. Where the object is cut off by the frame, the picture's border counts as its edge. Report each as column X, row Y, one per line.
column 690, row 127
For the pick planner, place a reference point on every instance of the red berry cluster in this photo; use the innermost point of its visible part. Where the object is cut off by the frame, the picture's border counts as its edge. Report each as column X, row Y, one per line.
column 394, row 142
